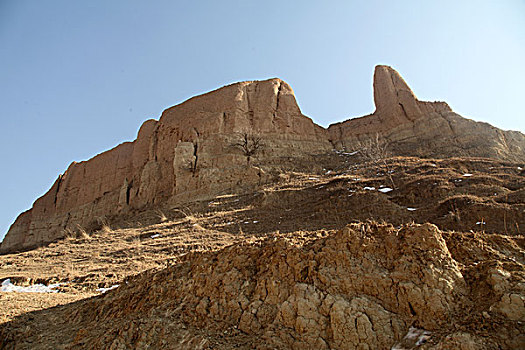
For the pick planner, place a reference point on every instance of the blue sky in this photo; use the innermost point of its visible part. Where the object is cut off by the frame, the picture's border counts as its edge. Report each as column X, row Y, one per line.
column 79, row 77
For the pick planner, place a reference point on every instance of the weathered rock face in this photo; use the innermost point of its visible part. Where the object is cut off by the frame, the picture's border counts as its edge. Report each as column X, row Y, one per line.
column 189, row 152
column 429, row 129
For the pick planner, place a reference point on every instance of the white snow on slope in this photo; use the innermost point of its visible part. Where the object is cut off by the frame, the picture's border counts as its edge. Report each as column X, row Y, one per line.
column 350, row 153
column 104, row 290
column 7, row 286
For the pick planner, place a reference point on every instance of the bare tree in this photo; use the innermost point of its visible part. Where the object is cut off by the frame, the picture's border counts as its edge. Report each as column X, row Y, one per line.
column 249, row 144
column 375, row 150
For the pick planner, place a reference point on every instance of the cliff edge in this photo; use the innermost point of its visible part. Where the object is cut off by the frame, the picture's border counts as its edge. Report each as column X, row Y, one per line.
column 194, row 151
column 424, row 129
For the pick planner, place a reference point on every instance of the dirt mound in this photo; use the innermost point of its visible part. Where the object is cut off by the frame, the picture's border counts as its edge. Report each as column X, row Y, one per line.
column 366, row 286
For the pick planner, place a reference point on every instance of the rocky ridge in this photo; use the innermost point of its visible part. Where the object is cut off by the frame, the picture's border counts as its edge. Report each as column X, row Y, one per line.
column 190, row 152
column 424, row 129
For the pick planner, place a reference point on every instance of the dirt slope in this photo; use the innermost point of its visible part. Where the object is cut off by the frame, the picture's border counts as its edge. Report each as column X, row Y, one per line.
column 491, row 199
column 366, row 286
column 279, row 268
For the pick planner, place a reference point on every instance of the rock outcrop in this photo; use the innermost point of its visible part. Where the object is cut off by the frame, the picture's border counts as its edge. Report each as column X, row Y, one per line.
column 191, row 152
column 367, row 286
column 428, row 129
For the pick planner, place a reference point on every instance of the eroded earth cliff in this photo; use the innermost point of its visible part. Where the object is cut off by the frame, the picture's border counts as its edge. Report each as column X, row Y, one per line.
column 234, row 221
column 192, row 152
column 188, row 154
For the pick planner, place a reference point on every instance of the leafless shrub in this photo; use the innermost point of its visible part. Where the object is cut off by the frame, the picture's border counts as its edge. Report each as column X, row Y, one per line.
column 376, row 150
column 189, row 217
column 78, row 233
column 249, row 144
column 455, row 213
column 82, row 233
column 69, row 234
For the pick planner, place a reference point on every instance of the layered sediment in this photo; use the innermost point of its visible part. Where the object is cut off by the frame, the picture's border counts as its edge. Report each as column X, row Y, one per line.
column 193, row 152
column 424, row 129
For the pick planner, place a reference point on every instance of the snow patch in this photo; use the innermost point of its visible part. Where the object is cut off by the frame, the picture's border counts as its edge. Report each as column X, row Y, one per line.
column 155, row 235
column 411, row 209
column 385, row 189
column 104, row 290
column 369, row 188
column 7, row 286
column 467, row 175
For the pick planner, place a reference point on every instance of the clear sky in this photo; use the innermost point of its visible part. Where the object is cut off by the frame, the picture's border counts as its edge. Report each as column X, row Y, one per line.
column 79, row 77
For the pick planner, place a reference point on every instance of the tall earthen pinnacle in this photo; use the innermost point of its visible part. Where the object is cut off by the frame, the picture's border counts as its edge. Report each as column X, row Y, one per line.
column 392, row 96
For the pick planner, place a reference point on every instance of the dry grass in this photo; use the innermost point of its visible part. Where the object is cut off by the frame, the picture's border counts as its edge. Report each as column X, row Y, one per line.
column 162, row 217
